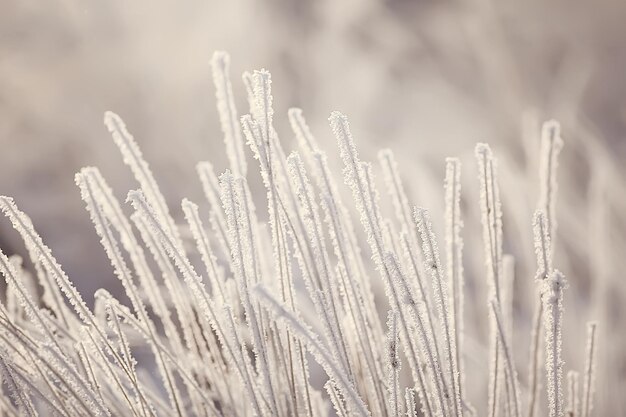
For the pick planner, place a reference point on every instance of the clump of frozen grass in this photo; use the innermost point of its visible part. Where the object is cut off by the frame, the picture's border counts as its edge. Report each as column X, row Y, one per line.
column 232, row 339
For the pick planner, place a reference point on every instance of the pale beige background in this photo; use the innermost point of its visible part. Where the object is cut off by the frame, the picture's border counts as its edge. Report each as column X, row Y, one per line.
column 425, row 78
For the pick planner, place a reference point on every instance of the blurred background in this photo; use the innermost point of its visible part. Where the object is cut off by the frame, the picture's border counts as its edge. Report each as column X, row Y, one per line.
column 427, row 79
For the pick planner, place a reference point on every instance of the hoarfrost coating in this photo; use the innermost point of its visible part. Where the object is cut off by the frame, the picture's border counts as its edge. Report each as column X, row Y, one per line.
column 220, row 318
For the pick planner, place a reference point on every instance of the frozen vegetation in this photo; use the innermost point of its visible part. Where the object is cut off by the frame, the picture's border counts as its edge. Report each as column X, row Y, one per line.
column 320, row 298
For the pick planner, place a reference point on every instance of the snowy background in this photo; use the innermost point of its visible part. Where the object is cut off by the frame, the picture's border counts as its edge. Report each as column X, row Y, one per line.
column 427, row 79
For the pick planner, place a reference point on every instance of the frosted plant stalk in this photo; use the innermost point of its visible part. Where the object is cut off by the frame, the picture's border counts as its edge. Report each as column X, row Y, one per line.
column 134, row 159
column 590, row 362
column 543, row 253
column 316, row 348
column 454, row 261
column 491, row 219
column 236, row 219
column 393, row 363
column 433, row 264
column 511, row 373
column 355, row 176
column 228, row 113
column 415, row 308
column 545, row 233
column 338, row 222
column 572, row 408
column 553, row 305
column 111, row 247
column 551, row 145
